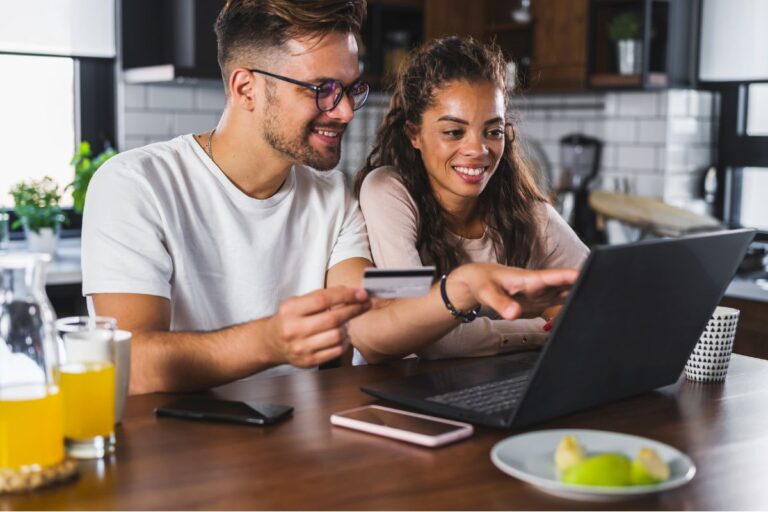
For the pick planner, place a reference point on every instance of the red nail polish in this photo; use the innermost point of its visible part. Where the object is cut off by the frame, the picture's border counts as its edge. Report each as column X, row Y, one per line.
column 548, row 326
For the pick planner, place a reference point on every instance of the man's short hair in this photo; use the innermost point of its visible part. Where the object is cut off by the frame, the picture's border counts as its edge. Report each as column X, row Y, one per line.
column 258, row 27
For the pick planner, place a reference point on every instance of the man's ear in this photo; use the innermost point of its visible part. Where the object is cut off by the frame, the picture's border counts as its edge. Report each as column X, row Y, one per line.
column 412, row 132
column 242, row 88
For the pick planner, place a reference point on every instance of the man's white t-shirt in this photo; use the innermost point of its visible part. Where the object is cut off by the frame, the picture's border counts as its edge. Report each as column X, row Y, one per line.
column 164, row 220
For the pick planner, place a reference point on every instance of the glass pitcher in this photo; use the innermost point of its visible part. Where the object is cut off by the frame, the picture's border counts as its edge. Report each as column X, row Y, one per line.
column 31, row 414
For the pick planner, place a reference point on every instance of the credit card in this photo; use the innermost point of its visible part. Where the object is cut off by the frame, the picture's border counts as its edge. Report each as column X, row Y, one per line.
column 393, row 283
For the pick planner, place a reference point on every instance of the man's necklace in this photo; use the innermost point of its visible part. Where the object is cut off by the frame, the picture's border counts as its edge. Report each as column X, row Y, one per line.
column 209, row 147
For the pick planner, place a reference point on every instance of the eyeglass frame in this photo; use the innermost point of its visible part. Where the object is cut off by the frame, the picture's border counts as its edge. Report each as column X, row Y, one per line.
column 317, row 88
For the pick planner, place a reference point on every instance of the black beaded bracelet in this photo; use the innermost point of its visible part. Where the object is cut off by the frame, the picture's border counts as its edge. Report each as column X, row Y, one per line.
column 464, row 317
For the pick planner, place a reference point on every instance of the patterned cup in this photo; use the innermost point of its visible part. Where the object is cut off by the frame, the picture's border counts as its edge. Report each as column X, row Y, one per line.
column 711, row 355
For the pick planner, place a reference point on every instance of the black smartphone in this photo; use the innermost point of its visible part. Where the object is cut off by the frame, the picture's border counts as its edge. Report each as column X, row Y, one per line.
column 200, row 408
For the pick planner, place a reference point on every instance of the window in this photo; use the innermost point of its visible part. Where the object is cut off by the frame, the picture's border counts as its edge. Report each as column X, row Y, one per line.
column 747, row 205
column 37, row 99
column 757, row 110
column 57, row 87
column 743, row 156
column 49, row 104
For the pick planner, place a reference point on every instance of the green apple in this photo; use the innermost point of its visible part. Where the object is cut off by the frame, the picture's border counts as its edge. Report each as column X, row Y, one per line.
column 569, row 453
column 607, row 469
column 648, row 468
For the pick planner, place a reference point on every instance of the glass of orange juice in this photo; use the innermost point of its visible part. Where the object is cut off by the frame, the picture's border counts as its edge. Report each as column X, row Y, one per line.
column 87, row 383
column 31, row 418
column 31, row 427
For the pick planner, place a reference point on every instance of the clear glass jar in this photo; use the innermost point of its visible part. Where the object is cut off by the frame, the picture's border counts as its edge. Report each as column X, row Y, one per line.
column 31, row 414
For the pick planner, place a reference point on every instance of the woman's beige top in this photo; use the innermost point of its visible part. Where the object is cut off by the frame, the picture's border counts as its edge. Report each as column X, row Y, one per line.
column 392, row 218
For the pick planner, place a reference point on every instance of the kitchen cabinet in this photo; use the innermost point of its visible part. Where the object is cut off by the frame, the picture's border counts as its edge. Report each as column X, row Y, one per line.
column 666, row 43
column 450, row 17
column 550, row 51
column 559, row 59
column 164, row 40
column 391, row 29
column 733, row 41
column 514, row 38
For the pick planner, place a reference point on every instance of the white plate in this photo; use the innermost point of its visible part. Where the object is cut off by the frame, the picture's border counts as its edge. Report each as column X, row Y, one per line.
column 530, row 457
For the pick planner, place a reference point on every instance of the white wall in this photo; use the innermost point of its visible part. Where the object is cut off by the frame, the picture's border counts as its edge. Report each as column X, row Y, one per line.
column 155, row 112
column 655, row 143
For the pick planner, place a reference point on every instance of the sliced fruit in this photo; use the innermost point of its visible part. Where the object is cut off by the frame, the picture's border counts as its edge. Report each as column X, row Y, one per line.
column 648, row 468
column 606, row 469
column 569, row 453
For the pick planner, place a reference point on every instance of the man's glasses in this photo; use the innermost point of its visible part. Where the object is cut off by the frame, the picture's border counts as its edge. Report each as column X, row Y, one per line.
column 328, row 94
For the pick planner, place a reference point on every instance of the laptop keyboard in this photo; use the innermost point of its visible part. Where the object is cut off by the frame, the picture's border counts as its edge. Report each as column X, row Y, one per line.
column 488, row 398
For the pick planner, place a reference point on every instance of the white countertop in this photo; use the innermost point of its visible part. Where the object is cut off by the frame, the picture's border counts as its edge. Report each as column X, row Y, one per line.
column 748, row 289
column 65, row 266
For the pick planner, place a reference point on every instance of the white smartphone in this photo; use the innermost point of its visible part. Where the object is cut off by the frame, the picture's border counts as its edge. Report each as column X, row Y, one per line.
column 405, row 426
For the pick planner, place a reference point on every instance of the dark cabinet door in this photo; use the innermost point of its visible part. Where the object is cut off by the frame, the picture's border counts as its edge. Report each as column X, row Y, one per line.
column 171, row 32
column 559, row 45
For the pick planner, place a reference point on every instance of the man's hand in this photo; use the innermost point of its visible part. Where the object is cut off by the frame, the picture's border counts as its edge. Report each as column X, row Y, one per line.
column 310, row 329
column 510, row 291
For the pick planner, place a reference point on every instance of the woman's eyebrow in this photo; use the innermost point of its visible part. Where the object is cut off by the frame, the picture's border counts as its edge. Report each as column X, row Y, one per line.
column 452, row 119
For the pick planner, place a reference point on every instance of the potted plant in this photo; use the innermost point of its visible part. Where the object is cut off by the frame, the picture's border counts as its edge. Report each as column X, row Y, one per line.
column 85, row 168
column 624, row 29
column 37, row 206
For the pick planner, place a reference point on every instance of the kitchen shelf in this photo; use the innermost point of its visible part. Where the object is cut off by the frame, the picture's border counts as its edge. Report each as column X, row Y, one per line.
column 667, row 30
column 616, row 80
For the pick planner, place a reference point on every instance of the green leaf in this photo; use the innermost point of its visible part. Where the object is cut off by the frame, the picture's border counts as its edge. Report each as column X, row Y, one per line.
column 626, row 25
column 85, row 167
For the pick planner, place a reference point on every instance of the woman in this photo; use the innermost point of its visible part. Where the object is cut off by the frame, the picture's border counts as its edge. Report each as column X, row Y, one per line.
column 445, row 185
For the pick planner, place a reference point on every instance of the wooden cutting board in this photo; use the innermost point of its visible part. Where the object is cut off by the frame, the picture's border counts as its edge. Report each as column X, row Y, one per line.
column 650, row 214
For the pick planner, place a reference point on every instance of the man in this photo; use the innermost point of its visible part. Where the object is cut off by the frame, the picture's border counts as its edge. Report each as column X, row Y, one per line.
column 208, row 247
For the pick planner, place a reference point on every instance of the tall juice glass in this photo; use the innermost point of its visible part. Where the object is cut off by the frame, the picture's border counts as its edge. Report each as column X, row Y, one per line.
column 31, row 416
column 87, row 380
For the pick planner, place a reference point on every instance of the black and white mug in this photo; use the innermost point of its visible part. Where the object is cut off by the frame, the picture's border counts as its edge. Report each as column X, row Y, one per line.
column 712, row 354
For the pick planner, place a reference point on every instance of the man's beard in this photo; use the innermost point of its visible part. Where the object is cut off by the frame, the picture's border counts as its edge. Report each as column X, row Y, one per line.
column 297, row 148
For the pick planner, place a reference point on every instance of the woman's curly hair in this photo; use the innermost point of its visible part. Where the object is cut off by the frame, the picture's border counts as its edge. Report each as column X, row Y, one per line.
column 509, row 199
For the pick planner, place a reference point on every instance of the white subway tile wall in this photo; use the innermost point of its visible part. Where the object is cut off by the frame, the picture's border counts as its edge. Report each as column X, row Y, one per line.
column 620, row 130
column 639, row 104
column 640, row 158
column 135, row 98
column 164, row 97
column 652, row 131
column 360, row 134
column 655, row 143
column 156, row 112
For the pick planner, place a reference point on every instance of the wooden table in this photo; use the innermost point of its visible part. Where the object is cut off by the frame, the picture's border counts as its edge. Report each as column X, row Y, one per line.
column 305, row 463
column 650, row 215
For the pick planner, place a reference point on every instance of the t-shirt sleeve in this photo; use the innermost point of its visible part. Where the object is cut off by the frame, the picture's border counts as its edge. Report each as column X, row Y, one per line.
column 561, row 246
column 352, row 241
column 392, row 220
column 123, row 239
